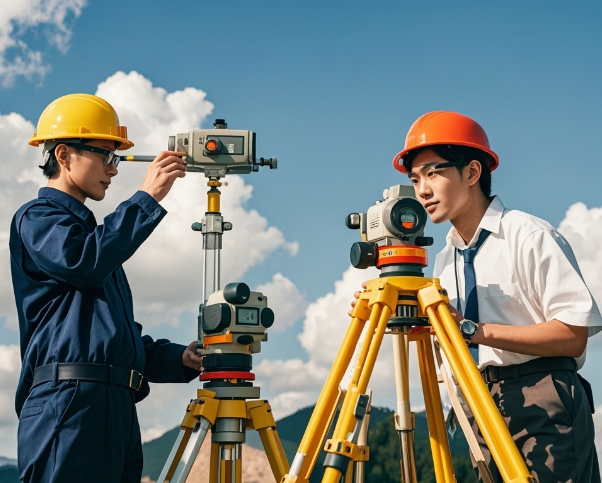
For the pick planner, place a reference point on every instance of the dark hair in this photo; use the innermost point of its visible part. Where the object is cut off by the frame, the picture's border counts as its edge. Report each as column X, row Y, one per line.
column 51, row 166
column 459, row 154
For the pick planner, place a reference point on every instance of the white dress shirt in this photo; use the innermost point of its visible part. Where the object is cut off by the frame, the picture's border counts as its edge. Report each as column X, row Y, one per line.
column 526, row 273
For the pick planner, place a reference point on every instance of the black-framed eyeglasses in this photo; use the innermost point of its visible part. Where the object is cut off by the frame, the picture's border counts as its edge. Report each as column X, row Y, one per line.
column 450, row 164
column 111, row 157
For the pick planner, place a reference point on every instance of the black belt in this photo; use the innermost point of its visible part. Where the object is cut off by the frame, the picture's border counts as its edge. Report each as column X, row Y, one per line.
column 85, row 371
column 535, row 366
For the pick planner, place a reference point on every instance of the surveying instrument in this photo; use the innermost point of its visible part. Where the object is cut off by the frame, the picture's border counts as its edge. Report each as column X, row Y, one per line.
column 232, row 324
column 408, row 306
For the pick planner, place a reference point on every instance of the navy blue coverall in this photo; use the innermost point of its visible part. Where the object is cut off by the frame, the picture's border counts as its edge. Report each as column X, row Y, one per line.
column 75, row 305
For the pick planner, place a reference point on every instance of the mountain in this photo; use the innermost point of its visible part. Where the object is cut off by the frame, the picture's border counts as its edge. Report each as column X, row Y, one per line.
column 8, row 470
column 383, row 466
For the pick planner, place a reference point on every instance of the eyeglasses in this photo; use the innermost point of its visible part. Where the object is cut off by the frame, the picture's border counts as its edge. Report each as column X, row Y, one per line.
column 111, row 157
column 449, row 164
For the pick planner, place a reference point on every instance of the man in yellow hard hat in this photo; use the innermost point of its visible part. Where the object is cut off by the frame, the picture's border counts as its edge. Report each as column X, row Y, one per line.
column 527, row 313
column 85, row 362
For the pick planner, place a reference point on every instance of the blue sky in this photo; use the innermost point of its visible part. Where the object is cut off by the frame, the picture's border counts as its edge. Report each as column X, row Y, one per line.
column 331, row 89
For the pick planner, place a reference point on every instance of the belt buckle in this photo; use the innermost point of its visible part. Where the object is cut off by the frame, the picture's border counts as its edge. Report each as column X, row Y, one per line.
column 141, row 376
column 491, row 374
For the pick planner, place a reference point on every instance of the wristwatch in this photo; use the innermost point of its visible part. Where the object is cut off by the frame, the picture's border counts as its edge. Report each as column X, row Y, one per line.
column 468, row 329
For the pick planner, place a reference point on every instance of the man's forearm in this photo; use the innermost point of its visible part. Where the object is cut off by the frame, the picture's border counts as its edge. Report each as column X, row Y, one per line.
column 548, row 339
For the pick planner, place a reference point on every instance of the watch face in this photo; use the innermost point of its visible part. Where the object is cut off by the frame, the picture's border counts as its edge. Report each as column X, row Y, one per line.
column 468, row 327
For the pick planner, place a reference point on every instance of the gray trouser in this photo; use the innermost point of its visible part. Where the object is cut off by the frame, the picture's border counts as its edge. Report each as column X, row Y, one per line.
column 549, row 418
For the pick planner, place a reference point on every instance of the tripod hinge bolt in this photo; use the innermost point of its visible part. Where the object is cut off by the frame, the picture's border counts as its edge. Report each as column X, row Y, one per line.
column 196, row 226
column 227, row 226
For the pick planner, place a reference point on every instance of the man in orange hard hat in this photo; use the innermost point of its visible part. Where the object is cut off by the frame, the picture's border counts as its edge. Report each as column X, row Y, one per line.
column 85, row 362
column 521, row 302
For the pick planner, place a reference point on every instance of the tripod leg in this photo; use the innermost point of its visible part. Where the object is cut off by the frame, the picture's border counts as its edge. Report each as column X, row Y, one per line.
column 358, row 468
column 214, row 463
column 340, row 450
column 471, row 439
column 317, row 427
column 200, row 415
column 404, row 421
column 183, row 454
column 262, row 420
column 496, row 434
column 442, row 461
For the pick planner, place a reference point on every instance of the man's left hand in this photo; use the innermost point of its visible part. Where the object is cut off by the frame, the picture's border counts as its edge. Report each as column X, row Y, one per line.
column 191, row 359
column 457, row 316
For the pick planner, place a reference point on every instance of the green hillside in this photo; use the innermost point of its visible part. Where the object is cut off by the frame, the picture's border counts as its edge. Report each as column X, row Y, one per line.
column 9, row 474
column 383, row 466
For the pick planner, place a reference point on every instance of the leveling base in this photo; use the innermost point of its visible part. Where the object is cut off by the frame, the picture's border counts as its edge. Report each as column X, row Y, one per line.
column 410, row 298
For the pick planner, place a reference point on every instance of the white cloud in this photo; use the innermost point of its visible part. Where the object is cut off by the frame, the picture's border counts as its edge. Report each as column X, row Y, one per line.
column 18, row 167
column 582, row 227
column 17, row 18
column 10, row 367
column 150, row 113
column 166, row 272
column 285, row 300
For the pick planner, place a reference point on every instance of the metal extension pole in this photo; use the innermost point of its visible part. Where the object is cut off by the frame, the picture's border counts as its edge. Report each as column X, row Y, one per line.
column 212, row 228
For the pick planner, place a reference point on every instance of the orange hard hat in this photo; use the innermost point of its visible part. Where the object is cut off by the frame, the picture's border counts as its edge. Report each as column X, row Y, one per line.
column 445, row 127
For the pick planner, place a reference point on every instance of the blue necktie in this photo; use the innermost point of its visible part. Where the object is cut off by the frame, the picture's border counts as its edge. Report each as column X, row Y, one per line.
column 471, row 311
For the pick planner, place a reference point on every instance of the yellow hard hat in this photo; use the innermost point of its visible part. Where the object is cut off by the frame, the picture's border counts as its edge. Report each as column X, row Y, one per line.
column 80, row 116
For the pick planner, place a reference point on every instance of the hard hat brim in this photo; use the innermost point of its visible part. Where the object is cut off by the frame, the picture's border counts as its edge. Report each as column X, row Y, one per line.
column 124, row 142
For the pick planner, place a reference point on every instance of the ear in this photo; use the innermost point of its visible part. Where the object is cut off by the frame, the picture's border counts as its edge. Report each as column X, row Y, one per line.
column 61, row 153
column 474, row 170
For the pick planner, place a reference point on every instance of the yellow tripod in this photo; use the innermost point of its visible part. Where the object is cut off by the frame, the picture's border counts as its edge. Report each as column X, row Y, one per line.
column 407, row 298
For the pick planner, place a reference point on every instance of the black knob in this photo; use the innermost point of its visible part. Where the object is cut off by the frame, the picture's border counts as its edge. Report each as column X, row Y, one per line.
column 245, row 339
column 267, row 317
column 363, row 254
column 424, row 241
column 353, row 221
column 237, row 293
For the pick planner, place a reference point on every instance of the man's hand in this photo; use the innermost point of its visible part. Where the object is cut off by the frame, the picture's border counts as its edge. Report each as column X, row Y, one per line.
column 162, row 173
column 357, row 296
column 457, row 316
column 191, row 359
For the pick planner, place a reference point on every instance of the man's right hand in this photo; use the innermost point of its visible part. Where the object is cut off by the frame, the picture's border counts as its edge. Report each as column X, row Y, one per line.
column 162, row 172
column 357, row 296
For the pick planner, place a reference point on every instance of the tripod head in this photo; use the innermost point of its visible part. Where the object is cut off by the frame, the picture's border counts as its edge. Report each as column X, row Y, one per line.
column 393, row 241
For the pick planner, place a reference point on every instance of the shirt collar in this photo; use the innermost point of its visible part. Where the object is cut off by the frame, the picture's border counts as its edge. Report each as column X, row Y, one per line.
column 68, row 201
column 491, row 221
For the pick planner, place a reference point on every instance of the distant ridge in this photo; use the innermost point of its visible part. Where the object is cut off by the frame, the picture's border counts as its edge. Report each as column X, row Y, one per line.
column 8, row 470
column 383, row 466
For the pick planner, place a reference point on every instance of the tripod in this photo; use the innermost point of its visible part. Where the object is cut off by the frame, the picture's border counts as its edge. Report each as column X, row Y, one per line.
column 402, row 302
column 228, row 404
